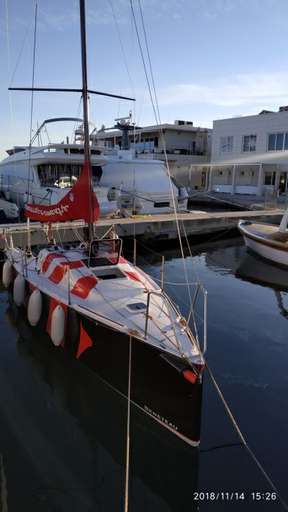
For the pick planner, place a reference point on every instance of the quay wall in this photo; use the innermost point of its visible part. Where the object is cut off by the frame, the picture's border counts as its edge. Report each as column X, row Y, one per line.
column 149, row 227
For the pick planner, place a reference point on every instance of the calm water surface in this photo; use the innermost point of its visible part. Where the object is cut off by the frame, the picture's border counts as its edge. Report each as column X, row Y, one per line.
column 63, row 431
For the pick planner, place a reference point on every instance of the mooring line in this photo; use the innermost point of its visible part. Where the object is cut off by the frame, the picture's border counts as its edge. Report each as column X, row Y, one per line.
column 243, row 440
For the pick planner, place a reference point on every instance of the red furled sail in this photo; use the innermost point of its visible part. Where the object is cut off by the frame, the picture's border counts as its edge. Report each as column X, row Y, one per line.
column 73, row 206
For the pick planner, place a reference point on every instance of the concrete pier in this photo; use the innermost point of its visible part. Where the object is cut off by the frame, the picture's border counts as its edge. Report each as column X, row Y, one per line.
column 153, row 227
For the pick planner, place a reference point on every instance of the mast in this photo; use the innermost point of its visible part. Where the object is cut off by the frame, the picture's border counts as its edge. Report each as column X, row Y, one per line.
column 87, row 159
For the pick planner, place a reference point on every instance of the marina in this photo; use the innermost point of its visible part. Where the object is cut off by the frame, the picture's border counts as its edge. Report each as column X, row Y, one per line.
column 143, row 261
column 70, row 455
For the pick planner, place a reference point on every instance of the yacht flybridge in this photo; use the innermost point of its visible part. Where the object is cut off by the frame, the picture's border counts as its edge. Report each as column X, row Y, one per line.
column 90, row 300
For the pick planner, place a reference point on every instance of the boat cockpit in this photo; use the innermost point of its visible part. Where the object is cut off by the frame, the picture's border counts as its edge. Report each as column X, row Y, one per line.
column 64, row 175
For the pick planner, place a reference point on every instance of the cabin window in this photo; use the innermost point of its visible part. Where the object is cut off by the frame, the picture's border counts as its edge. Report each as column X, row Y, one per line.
column 77, row 151
column 162, row 204
column 58, row 175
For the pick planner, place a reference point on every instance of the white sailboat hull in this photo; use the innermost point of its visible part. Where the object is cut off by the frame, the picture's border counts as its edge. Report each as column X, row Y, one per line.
column 267, row 248
column 94, row 310
column 269, row 253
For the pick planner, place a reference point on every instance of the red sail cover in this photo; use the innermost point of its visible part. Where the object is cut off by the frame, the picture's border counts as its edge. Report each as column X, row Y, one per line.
column 73, row 206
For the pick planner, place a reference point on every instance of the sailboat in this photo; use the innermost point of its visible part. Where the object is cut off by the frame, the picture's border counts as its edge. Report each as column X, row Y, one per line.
column 267, row 240
column 90, row 298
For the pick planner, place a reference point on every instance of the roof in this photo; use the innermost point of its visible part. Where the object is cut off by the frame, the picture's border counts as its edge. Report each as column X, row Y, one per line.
column 264, row 114
column 156, row 128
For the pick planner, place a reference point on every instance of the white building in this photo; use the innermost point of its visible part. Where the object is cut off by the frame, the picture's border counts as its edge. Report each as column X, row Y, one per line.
column 250, row 154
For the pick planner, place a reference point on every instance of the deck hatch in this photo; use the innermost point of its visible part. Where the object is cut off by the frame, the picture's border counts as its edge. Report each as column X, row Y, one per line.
column 137, row 306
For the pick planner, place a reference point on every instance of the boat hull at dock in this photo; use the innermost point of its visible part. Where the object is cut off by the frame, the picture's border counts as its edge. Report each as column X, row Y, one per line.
column 158, row 386
column 262, row 239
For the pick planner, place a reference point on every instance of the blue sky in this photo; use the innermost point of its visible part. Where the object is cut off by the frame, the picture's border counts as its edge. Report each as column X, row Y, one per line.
column 211, row 59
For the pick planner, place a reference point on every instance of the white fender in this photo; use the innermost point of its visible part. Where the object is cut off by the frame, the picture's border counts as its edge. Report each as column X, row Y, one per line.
column 57, row 325
column 19, row 290
column 34, row 307
column 7, row 274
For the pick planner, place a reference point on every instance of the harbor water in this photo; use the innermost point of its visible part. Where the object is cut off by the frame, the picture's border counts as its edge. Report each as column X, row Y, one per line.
column 63, row 430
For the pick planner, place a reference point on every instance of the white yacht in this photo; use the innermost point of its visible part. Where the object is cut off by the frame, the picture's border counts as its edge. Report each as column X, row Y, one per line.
column 120, row 180
column 44, row 172
column 141, row 185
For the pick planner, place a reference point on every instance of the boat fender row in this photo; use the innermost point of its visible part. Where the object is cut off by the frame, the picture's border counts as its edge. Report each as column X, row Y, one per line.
column 19, row 290
column 7, row 274
column 57, row 326
column 34, row 310
column 57, row 330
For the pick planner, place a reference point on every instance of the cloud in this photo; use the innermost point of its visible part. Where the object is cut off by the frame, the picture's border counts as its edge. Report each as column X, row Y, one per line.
column 58, row 18
column 242, row 90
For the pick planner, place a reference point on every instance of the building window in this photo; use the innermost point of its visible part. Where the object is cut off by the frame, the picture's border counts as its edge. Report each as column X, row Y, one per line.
column 278, row 141
column 249, row 143
column 269, row 178
column 226, row 144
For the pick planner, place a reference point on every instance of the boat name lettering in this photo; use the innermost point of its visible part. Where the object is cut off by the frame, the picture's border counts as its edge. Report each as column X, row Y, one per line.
column 161, row 418
column 60, row 210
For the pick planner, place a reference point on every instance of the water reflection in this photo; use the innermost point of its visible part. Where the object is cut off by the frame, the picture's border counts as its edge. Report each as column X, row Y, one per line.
column 256, row 270
column 237, row 260
column 75, row 427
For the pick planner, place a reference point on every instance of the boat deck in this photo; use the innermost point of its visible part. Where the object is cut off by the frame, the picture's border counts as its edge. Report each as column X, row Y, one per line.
column 120, row 296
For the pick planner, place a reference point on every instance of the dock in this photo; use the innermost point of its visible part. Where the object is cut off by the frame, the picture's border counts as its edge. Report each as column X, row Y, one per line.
column 148, row 227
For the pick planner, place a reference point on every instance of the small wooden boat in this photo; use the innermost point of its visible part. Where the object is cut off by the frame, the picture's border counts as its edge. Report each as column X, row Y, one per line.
column 267, row 240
